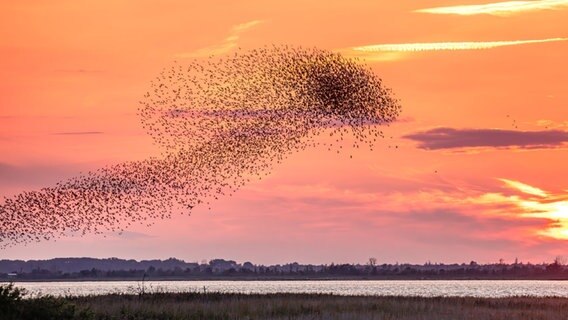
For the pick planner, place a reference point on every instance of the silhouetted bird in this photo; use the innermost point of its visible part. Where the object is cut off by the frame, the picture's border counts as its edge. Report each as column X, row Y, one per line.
column 221, row 122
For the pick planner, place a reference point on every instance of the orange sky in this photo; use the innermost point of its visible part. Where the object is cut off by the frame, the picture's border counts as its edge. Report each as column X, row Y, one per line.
column 494, row 75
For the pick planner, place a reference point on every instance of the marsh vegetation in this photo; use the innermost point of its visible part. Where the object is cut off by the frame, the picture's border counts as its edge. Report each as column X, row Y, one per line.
column 204, row 305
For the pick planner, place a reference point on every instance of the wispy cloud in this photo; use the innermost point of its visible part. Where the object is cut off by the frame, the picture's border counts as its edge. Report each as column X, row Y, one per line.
column 398, row 51
column 506, row 8
column 12, row 175
column 552, row 207
column 132, row 235
column 228, row 44
column 545, row 123
column 514, row 211
column 74, row 133
column 525, row 188
column 78, row 71
column 450, row 138
column 438, row 46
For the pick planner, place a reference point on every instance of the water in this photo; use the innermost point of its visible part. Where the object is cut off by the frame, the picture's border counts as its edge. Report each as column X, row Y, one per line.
column 461, row 288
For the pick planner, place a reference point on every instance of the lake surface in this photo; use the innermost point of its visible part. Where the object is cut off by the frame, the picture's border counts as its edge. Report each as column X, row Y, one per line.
column 461, row 288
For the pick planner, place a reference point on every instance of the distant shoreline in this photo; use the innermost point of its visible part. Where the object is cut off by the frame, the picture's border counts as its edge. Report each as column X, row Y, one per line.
column 172, row 269
column 149, row 279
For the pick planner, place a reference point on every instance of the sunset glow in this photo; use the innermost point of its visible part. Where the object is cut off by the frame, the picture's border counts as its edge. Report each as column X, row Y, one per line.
column 556, row 211
column 473, row 168
column 553, row 208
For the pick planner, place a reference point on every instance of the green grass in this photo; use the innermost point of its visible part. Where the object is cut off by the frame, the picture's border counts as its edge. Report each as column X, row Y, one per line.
column 282, row 306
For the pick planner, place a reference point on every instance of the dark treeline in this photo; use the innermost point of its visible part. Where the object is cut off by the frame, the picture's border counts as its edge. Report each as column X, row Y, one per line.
column 118, row 269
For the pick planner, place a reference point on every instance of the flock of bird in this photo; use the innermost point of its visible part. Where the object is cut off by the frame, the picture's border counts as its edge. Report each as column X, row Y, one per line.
column 222, row 122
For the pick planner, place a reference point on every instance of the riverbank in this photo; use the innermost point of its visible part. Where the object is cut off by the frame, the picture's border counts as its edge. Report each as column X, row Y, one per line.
column 544, row 277
column 200, row 305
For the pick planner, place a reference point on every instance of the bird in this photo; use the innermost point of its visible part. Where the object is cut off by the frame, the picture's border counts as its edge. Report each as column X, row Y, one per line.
column 220, row 123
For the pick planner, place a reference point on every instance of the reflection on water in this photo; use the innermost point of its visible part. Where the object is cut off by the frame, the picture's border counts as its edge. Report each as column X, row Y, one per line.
column 461, row 288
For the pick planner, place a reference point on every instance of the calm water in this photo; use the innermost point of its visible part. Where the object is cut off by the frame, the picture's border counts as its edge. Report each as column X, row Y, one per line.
column 377, row 288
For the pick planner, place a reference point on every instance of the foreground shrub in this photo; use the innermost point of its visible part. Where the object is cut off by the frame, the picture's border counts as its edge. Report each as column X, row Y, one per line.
column 13, row 306
column 10, row 299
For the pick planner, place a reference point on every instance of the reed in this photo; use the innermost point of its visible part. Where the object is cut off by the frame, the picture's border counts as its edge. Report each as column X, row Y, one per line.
column 317, row 306
column 211, row 305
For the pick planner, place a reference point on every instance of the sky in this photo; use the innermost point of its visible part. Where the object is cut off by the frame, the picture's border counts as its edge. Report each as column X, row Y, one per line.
column 474, row 168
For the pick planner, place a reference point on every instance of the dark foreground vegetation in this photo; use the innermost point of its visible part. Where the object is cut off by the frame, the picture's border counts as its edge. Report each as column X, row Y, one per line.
column 194, row 305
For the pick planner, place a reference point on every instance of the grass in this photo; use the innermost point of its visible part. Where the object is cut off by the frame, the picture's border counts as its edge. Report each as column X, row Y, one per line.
column 310, row 306
column 193, row 305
